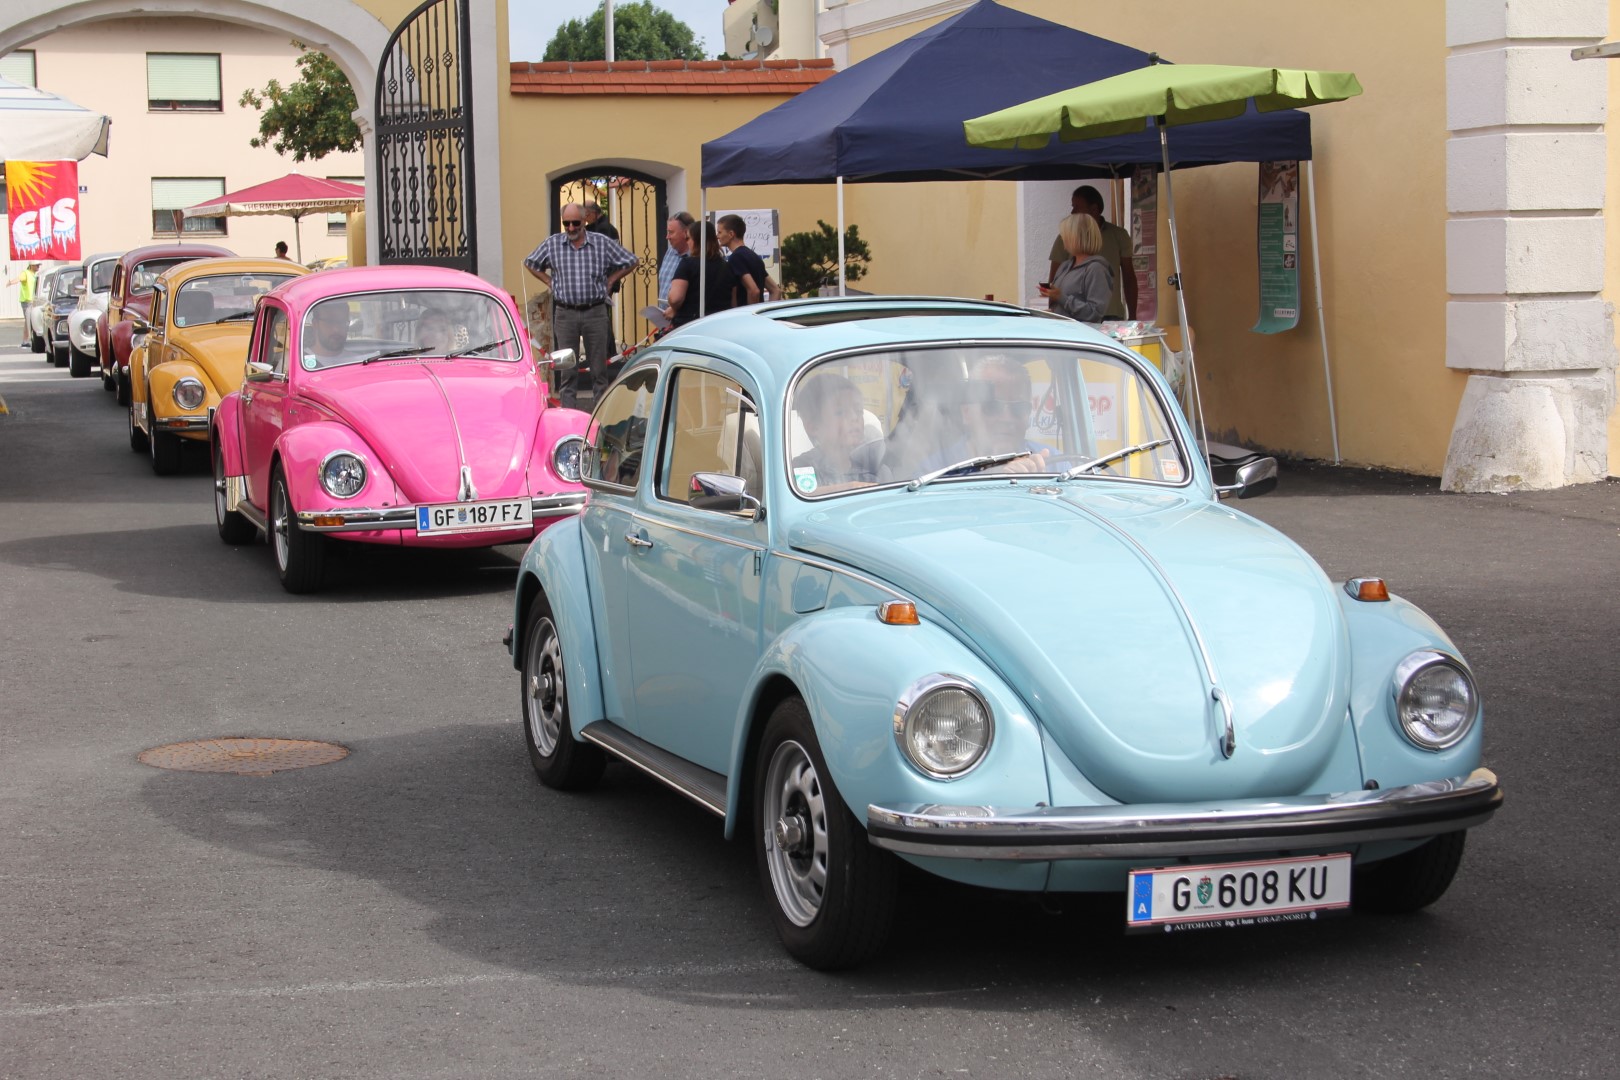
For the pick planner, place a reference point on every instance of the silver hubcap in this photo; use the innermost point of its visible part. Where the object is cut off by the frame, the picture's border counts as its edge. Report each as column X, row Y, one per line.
column 795, row 826
column 219, row 488
column 542, row 671
column 279, row 523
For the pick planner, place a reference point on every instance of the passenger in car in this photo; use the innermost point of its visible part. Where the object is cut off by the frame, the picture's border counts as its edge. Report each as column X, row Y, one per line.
column 834, row 416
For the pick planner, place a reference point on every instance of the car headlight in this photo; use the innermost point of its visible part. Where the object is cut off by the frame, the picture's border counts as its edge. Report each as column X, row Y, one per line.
column 943, row 726
column 343, row 475
column 189, row 393
column 1436, row 704
column 567, row 456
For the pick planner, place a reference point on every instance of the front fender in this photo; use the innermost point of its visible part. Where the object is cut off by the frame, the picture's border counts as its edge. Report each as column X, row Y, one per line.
column 555, row 565
column 120, row 335
column 162, row 379
column 227, row 434
column 301, row 450
column 554, row 424
column 851, row 670
column 1382, row 634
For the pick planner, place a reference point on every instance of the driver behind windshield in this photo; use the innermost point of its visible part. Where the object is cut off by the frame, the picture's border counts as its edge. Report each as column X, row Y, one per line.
column 328, row 331
column 433, row 332
column 995, row 417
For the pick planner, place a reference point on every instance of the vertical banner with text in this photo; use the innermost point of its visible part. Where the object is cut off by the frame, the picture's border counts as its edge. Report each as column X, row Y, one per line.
column 1145, row 241
column 1279, row 247
column 42, row 200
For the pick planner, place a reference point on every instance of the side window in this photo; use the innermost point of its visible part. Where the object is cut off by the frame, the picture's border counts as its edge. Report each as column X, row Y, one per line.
column 618, row 431
column 160, row 307
column 118, row 284
column 710, row 427
column 273, row 348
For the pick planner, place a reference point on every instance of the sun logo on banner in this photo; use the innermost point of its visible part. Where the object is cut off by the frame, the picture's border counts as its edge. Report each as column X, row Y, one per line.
column 28, row 180
column 43, row 197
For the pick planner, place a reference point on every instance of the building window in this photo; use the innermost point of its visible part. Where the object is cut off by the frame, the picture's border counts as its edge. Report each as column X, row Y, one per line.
column 183, row 82
column 19, row 67
column 338, row 224
column 172, row 194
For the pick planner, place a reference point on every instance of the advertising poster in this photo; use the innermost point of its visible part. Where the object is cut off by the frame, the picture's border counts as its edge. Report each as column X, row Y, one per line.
column 1145, row 241
column 43, row 201
column 1279, row 247
column 763, row 236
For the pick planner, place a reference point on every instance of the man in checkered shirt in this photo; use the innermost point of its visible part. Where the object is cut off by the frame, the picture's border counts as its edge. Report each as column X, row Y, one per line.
column 580, row 268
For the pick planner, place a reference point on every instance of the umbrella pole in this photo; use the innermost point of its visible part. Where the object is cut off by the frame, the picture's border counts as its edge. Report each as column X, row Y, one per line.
column 1194, row 398
column 298, row 236
column 1321, row 319
column 840, row 236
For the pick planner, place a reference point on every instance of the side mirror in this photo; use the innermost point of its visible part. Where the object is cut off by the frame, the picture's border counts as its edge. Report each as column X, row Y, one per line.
column 1253, row 478
column 139, row 325
column 78, row 290
column 725, row 493
column 562, row 360
column 258, row 372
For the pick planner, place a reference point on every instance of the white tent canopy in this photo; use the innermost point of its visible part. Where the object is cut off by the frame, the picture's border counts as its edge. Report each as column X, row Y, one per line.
column 39, row 126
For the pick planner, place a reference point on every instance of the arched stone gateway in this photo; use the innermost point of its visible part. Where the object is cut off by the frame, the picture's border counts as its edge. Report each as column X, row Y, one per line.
column 356, row 37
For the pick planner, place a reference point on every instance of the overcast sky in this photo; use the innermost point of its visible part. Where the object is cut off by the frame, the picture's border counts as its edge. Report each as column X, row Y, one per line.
column 533, row 22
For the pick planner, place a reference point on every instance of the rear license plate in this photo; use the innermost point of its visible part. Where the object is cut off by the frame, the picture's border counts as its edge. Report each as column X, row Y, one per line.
column 1236, row 894
column 473, row 516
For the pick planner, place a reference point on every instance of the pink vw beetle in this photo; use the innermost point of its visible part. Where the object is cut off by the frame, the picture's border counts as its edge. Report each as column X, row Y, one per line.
column 390, row 405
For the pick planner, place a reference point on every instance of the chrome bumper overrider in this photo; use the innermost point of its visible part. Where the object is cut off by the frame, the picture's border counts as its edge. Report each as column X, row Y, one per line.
column 1166, row 830
column 180, row 423
column 364, row 519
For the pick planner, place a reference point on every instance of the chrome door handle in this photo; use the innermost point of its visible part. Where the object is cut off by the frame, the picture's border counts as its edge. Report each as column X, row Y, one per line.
column 636, row 541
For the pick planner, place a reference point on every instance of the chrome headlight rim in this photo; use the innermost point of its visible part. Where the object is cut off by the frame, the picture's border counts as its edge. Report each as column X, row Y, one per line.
column 191, row 386
column 359, row 462
column 1413, row 665
column 909, row 707
column 561, row 448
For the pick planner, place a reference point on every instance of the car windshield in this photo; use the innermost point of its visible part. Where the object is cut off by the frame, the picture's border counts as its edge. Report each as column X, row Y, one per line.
column 222, row 297
column 923, row 416
column 144, row 274
column 101, row 274
column 407, row 323
column 62, row 287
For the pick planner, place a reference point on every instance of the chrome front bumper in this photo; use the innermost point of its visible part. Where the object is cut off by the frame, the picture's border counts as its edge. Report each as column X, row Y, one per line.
column 1167, row 830
column 180, row 423
column 365, row 519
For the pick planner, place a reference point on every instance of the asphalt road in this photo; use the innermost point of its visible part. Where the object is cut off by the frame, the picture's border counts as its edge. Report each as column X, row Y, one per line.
column 424, row 909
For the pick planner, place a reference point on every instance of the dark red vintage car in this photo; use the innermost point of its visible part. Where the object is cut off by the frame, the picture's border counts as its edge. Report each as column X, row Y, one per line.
column 132, row 298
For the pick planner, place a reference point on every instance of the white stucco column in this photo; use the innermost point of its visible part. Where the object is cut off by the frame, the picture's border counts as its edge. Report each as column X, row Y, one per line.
column 1525, row 170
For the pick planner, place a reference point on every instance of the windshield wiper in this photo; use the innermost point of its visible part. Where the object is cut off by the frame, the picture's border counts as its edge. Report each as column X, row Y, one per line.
column 969, row 465
column 233, row 315
column 478, row 348
column 394, row 354
column 1109, row 459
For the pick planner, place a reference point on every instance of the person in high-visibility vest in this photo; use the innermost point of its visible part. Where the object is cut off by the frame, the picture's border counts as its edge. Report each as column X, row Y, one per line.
column 25, row 292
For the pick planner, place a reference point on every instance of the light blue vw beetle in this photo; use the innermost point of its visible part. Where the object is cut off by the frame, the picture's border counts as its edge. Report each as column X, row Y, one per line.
column 945, row 581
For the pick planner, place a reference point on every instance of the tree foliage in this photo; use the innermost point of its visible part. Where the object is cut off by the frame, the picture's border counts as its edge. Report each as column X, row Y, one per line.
column 640, row 32
column 810, row 259
column 310, row 117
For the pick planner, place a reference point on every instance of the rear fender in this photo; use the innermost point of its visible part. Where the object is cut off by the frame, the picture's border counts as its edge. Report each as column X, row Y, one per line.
column 851, row 670
column 137, row 375
column 301, row 450
column 227, row 434
column 555, row 564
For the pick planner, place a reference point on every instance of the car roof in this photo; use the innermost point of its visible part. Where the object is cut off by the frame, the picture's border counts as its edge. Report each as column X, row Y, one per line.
column 321, row 284
column 185, row 271
column 169, row 251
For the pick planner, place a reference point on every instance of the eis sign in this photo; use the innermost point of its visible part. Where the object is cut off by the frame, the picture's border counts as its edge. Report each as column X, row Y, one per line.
column 42, row 200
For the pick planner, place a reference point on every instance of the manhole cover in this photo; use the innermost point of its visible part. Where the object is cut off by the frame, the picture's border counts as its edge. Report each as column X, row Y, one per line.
column 247, row 757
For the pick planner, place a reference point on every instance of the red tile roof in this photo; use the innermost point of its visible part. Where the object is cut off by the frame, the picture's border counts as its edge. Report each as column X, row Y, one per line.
column 706, row 77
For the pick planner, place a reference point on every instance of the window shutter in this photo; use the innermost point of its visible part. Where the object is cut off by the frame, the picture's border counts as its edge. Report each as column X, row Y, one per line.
column 179, row 193
column 182, row 77
column 19, row 67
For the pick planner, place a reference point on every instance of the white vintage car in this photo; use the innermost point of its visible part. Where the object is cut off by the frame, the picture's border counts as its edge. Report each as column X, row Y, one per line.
column 98, row 272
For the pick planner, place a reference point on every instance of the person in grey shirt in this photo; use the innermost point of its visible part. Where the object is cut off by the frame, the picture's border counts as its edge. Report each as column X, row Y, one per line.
column 1085, row 283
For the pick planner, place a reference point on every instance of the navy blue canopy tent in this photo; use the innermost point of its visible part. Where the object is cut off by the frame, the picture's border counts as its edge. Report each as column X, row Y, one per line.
column 897, row 116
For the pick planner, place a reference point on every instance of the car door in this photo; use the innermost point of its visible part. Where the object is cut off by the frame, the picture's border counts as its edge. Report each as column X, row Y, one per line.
column 264, row 401
column 613, row 471
column 694, row 580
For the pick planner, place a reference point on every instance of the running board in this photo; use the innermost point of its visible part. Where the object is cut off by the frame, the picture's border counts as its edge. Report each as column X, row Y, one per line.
column 707, row 789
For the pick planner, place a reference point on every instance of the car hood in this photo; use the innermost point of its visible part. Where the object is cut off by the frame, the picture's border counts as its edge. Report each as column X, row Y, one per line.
column 416, row 414
column 220, row 349
column 1100, row 609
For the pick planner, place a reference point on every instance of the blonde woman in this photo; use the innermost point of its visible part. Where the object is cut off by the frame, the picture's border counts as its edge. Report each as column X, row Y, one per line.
column 1083, row 285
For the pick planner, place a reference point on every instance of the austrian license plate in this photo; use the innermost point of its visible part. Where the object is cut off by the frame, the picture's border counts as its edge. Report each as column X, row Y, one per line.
column 473, row 516
column 1236, row 894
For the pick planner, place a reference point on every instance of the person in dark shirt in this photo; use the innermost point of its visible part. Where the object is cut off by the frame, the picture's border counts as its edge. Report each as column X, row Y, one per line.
column 753, row 282
column 683, row 291
column 596, row 223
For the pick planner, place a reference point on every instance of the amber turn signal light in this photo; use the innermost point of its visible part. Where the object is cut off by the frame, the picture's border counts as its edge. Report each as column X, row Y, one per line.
column 328, row 520
column 1367, row 588
column 898, row 613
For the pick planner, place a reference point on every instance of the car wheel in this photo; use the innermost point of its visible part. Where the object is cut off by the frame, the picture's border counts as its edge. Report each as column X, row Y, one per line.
column 233, row 527
column 121, row 389
column 107, row 382
column 560, row 760
column 137, row 437
column 59, row 357
column 832, row 894
column 79, row 363
column 36, row 343
column 300, row 555
column 164, row 447
column 1411, row 881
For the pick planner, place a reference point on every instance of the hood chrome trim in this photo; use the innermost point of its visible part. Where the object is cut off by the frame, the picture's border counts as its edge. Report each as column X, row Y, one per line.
column 466, row 490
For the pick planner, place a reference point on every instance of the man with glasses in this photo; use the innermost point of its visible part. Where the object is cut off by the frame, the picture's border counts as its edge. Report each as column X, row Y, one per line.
column 581, row 268
column 995, row 419
column 679, row 243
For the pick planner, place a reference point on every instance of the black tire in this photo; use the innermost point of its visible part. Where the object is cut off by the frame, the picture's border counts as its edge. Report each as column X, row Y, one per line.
column 233, row 527
column 59, row 357
column 137, row 437
column 107, row 381
column 121, row 392
column 1411, row 881
column 560, row 760
column 802, row 832
column 300, row 556
column 164, row 448
column 79, row 363
column 36, row 343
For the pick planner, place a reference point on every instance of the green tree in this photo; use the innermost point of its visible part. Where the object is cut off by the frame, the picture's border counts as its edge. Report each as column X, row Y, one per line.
column 310, row 117
column 640, row 32
column 810, row 259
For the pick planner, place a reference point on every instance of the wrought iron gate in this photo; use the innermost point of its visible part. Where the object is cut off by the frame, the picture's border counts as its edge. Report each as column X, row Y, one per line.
column 636, row 206
column 424, row 141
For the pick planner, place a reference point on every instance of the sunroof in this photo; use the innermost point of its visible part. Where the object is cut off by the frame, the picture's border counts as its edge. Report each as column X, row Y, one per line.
column 825, row 312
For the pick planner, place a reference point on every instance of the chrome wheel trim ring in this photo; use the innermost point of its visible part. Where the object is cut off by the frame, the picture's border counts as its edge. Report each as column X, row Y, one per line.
column 280, row 513
column 219, row 486
column 544, row 692
column 794, row 799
